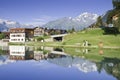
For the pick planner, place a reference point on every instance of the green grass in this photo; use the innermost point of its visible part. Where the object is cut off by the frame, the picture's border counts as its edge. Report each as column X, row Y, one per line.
column 43, row 44
column 93, row 37
column 16, row 43
column 93, row 54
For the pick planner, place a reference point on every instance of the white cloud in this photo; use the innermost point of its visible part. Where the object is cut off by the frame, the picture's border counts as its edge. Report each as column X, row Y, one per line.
column 41, row 20
column 36, row 23
column 44, row 19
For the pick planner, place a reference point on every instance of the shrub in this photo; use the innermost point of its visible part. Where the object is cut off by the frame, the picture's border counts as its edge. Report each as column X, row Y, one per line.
column 2, row 36
column 40, row 38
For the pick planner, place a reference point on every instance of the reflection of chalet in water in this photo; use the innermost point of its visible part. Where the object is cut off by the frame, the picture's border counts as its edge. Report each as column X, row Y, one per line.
column 20, row 53
column 17, row 52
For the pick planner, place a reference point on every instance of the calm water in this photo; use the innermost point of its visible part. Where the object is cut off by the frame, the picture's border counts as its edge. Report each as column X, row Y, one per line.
column 30, row 63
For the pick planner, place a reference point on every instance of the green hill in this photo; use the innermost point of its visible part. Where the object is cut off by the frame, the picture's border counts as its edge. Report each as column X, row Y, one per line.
column 93, row 36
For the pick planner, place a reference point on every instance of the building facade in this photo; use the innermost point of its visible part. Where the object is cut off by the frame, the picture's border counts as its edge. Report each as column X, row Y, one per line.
column 21, row 34
column 38, row 31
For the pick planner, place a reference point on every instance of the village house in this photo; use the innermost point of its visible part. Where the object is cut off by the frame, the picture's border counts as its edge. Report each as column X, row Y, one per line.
column 21, row 34
column 39, row 31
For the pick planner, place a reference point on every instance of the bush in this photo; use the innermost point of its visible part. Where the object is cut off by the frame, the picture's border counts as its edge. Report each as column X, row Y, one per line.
column 110, row 30
column 64, row 43
column 2, row 36
column 40, row 38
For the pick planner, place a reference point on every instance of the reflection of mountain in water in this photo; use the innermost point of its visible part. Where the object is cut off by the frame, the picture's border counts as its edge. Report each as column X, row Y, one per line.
column 111, row 66
column 58, row 57
column 79, row 63
column 5, row 60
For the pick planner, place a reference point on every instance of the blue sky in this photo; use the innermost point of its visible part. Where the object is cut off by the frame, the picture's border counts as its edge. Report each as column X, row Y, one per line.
column 42, row 11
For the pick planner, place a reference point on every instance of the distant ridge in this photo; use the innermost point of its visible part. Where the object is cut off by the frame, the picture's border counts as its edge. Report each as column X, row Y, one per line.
column 6, row 24
column 80, row 22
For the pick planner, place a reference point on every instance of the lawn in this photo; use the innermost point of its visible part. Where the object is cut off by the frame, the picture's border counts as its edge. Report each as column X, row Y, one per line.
column 93, row 36
column 93, row 54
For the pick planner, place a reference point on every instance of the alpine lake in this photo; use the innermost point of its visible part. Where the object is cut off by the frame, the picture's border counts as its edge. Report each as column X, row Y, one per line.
column 57, row 63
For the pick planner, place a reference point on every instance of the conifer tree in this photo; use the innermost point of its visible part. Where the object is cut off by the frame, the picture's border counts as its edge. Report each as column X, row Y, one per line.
column 99, row 22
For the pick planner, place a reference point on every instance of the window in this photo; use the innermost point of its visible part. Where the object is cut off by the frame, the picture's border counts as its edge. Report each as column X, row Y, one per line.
column 18, row 35
column 12, row 35
column 13, row 39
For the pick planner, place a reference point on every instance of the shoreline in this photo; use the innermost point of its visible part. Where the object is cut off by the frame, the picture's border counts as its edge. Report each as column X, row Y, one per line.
column 60, row 45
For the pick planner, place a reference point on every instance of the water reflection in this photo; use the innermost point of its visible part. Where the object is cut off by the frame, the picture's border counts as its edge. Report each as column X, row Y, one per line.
column 83, row 51
column 78, row 63
column 55, row 56
column 111, row 66
column 101, row 52
column 61, row 58
column 17, row 52
column 4, row 59
column 20, row 53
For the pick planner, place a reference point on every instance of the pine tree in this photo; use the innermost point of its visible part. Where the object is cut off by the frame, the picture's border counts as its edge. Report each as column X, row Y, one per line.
column 99, row 22
column 116, row 4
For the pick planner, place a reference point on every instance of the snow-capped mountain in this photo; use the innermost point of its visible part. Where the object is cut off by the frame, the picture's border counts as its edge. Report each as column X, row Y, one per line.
column 86, row 17
column 6, row 24
column 79, row 22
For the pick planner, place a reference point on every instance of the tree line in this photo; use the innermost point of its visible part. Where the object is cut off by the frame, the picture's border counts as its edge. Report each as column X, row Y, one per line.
column 115, row 12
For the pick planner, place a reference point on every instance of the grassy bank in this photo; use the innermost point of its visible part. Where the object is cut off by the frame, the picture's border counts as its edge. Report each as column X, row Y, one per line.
column 93, row 37
column 93, row 54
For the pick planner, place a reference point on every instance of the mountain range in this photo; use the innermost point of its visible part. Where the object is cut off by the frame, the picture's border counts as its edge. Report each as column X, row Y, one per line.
column 6, row 24
column 78, row 23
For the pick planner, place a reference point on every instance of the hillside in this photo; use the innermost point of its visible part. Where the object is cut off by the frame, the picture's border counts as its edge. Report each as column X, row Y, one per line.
column 78, row 23
column 93, row 36
column 111, row 18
